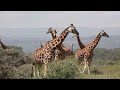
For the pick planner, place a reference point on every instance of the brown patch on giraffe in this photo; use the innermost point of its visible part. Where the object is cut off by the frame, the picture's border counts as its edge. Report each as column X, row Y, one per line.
column 53, row 44
column 61, row 37
column 58, row 40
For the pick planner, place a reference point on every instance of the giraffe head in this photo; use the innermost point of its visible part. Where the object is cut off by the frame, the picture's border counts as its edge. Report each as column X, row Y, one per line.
column 73, row 30
column 103, row 33
column 51, row 30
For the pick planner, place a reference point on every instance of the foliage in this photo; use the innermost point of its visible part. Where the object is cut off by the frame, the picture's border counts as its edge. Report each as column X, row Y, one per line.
column 11, row 59
column 63, row 70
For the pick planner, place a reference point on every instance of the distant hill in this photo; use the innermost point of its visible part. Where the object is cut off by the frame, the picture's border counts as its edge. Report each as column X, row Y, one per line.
column 30, row 39
column 30, row 44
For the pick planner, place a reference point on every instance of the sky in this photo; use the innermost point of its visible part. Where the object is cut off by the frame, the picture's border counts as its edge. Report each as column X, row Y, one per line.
column 36, row 19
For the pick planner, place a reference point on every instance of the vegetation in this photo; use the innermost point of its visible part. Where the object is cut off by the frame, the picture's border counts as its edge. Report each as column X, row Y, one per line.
column 15, row 64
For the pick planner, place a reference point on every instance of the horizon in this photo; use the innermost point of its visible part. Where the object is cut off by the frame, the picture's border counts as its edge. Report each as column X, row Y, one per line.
column 41, row 32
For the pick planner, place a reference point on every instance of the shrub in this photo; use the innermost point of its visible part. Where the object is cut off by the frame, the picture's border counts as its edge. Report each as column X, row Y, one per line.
column 62, row 70
column 22, row 72
column 10, row 60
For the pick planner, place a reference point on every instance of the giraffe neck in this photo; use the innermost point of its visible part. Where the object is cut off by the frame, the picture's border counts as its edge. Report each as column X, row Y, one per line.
column 53, row 35
column 62, row 36
column 3, row 46
column 58, row 41
column 81, row 45
column 96, row 41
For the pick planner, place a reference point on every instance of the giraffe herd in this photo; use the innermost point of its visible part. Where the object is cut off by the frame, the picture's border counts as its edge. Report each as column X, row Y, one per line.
column 54, row 50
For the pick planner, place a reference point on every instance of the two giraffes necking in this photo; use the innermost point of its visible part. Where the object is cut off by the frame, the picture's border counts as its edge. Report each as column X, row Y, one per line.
column 55, row 50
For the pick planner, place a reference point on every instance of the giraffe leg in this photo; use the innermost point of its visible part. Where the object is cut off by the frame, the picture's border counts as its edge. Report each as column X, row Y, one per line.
column 55, row 58
column 89, row 64
column 37, row 70
column 85, row 66
column 45, row 68
column 88, row 67
column 33, row 70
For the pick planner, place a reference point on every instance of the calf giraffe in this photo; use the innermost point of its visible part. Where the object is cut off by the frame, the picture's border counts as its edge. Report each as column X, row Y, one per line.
column 47, row 52
column 85, row 53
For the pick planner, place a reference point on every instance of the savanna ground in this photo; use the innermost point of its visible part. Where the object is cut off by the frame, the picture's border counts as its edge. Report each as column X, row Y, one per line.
column 16, row 64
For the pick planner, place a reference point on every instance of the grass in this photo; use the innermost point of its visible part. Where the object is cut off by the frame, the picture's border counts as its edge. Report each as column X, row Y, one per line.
column 67, row 69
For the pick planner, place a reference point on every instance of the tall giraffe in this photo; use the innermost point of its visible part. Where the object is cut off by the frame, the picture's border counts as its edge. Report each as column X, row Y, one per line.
column 85, row 53
column 2, row 45
column 53, row 33
column 82, row 46
column 61, row 51
column 47, row 53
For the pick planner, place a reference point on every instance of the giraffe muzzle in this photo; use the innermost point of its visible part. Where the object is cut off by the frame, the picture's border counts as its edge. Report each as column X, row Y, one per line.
column 47, row 32
column 74, row 35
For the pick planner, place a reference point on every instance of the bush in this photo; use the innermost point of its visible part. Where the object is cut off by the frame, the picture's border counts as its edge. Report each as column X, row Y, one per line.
column 63, row 70
column 22, row 72
column 11, row 59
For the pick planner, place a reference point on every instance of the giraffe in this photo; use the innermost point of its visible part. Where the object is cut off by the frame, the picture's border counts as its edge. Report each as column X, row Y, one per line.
column 61, row 51
column 85, row 53
column 47, row 53
column 2, row 45
column 82, row 46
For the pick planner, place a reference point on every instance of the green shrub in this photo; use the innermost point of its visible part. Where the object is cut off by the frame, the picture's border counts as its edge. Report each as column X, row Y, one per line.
column 11, row 59
column 22, row 72
column 65, row 69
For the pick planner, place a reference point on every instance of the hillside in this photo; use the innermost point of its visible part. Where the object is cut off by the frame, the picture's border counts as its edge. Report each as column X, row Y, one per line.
column 30, row 38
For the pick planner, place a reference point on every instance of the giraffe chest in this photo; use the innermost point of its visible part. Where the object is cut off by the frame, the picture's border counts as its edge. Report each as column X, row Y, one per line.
column 83, row 53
